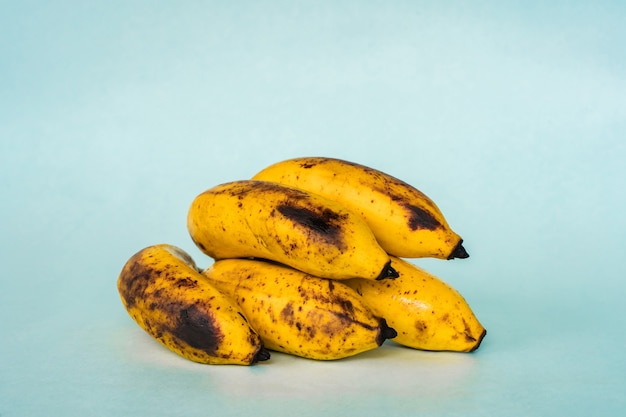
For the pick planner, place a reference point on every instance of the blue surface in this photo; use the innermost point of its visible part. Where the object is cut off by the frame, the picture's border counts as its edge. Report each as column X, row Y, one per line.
column 114, row 115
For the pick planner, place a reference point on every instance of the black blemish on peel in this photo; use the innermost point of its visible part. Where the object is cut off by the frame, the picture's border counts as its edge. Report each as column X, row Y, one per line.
column 420, row 218
column 197, row 330
column 326, row 224
column 186, row 283
column 287, row 314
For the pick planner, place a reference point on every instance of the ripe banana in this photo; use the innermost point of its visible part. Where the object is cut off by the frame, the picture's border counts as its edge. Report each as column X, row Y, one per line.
column 168, row 297
column 297, row 313
column 406, row 222
column 261, row 219
column 426, row 312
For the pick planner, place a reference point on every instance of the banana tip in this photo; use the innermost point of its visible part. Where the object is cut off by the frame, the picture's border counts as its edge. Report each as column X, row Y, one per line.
column 388, row 272
column 386, row 332
column 479, row 341
column 262, row 355
column 459, row 251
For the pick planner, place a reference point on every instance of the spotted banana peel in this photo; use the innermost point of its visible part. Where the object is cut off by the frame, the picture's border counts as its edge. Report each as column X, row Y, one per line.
column 249, row 218
column 167, row 296
column 298, row 313
column 427, row 313
column 405, row 221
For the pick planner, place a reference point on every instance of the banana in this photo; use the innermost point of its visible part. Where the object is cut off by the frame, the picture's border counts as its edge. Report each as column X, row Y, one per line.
column 427, row 313
column 167, row 296
column 297, row 313
column 406, row 222
column 261, row 219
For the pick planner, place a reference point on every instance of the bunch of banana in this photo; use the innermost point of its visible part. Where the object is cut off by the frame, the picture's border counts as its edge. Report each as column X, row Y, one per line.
column 307, row 261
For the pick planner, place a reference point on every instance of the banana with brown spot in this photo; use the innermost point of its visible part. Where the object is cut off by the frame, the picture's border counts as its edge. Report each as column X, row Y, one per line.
column 298, row 313
column 261, row 219
column 167, row 296
column 427, row 313
column 405, row 221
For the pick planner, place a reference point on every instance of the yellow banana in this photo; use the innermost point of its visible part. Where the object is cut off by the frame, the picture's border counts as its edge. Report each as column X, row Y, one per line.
column 167, row 296
column 297, row 313
column 406, row 222
column 426, row 312
column 247, row 218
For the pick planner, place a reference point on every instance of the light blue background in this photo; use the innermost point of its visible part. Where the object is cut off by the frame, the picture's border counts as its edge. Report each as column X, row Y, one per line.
column 510, row 115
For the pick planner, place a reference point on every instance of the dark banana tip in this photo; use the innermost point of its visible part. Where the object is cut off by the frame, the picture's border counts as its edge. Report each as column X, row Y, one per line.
column 388, row 272
column 479, row 341
column 459, row 251
column 385, row 333
column 262, row 355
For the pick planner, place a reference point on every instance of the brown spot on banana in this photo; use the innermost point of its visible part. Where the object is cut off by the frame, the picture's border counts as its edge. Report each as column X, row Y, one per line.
column 324, row 224
column 308, row 165
column 198, row 329
column 138, row 279
column 420, row 219
column 287, row 315
column 421, row 326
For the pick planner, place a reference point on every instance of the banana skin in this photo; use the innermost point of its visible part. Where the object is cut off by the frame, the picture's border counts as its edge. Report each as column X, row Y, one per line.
column 167, row 296
column 261, row 219
column 427, row 313
column 297, row 313
column 406, row 222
